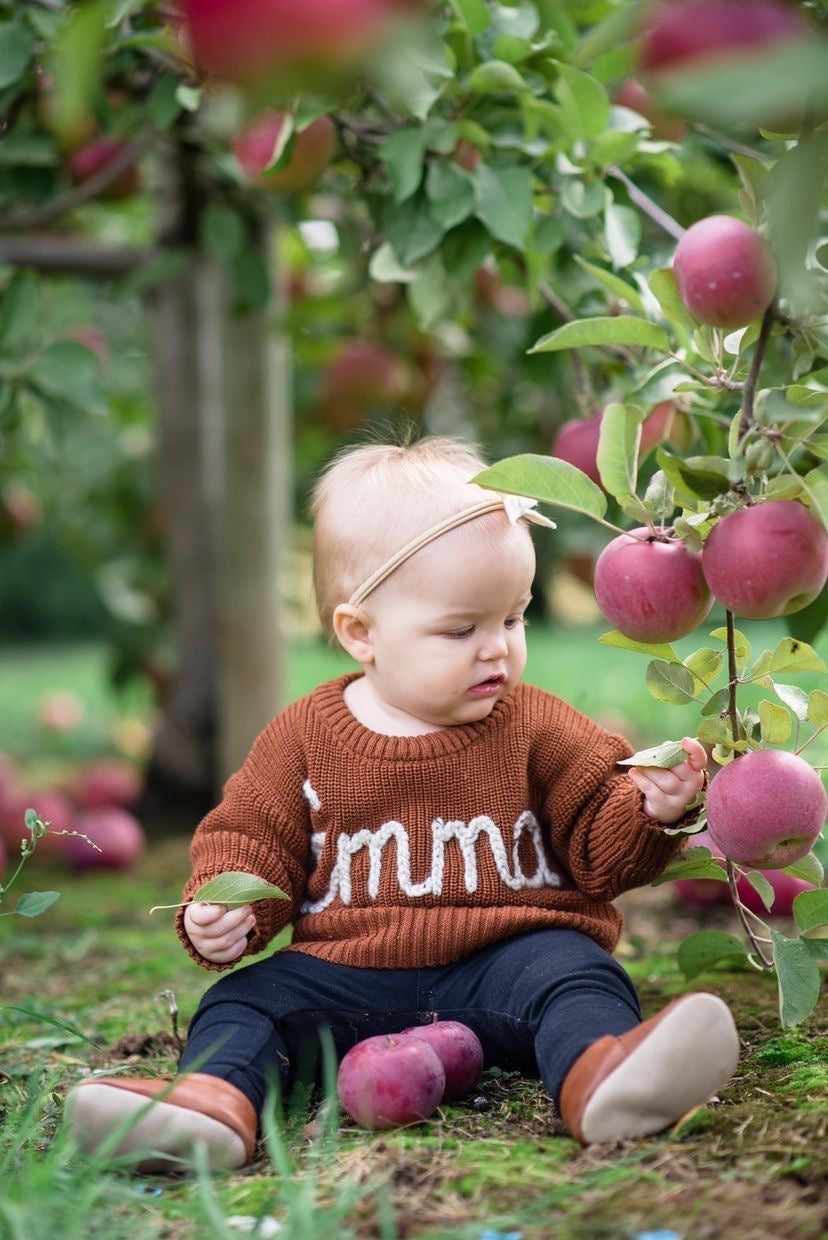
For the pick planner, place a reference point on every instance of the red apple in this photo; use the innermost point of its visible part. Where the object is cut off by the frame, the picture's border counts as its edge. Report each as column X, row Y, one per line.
column 21, row 506
column 651, row 587
column 390, row 1080
column 785, row 887
column 249, row 39
column 765, row 809
column 360, row 377
column 770, row 559
column 118, row 835
column 60, row 711
column 577, row 442
column 725, row 273
column 685, row 33
column 634, row 95
column 313, row 151
column 93, row 157
column 459, row 1051
column 702, row 892
column 104, row 782
column 665, row 423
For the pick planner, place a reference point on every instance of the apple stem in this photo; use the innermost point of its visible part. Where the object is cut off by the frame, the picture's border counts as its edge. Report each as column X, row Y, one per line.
column 747, row 419
column 741, row 912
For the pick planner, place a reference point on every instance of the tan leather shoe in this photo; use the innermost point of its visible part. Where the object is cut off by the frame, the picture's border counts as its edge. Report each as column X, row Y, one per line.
column 164, row 1119
column 648, row 1078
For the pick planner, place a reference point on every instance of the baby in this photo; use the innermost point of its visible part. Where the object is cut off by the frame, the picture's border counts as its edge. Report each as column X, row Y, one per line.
column 451, row 841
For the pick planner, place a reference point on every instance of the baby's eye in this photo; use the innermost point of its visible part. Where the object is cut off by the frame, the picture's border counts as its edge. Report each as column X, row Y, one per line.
column 458, row 634
column 514, row 621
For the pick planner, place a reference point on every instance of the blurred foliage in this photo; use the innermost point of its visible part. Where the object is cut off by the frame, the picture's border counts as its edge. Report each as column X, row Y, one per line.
column 485, row 190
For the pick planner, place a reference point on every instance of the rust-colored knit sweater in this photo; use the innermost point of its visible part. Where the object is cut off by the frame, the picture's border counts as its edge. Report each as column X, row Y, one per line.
column 413, row 851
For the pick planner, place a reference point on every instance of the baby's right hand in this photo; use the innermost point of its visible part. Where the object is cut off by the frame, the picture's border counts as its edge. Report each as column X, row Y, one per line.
column 218, row 933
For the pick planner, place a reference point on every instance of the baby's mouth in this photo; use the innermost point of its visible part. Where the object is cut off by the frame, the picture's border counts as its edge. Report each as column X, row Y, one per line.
column 490, row 685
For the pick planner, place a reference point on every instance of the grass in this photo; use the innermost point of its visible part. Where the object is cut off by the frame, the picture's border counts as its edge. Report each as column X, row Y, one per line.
column 94, row 977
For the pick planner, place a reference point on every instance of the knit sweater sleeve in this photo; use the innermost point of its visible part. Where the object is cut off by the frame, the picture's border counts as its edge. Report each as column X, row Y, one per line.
column 593, row 811
column 260, row 827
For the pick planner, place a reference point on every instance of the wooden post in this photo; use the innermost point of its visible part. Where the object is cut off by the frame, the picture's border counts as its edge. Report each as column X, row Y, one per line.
column 253, row 528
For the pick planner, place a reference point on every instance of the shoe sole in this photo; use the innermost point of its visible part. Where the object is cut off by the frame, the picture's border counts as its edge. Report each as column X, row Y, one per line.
column 689, row 1055
column 105, row 1118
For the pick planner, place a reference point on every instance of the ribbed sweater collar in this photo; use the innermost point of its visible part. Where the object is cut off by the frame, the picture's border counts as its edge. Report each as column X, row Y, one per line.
column 328, row 703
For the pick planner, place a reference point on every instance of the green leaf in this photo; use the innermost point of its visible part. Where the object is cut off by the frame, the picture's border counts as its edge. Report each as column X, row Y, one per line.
column 740, row 643
column 693, row 862
column 670, row 682
column 583, row 199
column 496, row 77
column 618, row 443
column 706, row 948
column 663, row 287
column 19, row 308
column 585, row 104
column 504, row 202
column 74, row 65
column 548, row 479
column 429, row 295
column 810, row 909
column 798, row 977
column 622, row 329
column 704, row 664
column 402, row 154
column 236, row 887
column 622, row 234
column 450, row 191
column 816, row 483
column 716, row 703
column 33, row 903
column 473, row 14
column 817, row 708
column 795, row 699
column 764, row 889
column 68, row 372
column 654, row 650
column 411, row 229
column 51, row 1020
column 222, row 231
column 808, row 867
column 666, row 755
column 613, row 284
column 795, row 656
column 386, row 269
column 774, row 723
column 16, row 46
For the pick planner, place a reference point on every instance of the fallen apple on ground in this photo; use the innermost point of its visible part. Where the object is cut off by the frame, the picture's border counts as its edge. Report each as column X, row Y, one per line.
column 389, row 1080
column 765, row 809
column 458, row 1049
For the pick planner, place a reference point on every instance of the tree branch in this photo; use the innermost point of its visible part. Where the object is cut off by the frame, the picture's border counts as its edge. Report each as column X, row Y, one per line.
column 749, row 395
column 65, row 256
column 91, row 187
column 656, row 213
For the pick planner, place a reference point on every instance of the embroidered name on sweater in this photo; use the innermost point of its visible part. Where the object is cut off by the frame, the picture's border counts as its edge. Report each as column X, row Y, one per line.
column 464, row 835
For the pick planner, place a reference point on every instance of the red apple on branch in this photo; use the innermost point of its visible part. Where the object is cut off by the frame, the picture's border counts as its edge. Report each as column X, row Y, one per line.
column 651, row 586
column 725, row 273
column 576, row 440
column 770, row 559
column 459, row 1051
column 765, row 809
column 313, row 150
column 386, row 1081
column 96, row 155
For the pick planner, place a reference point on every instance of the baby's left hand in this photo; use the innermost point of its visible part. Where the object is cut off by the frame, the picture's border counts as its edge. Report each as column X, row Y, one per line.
column 669, row 790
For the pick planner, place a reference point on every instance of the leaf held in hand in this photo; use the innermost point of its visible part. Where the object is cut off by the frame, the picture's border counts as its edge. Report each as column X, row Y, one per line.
column 232, row 887
column 667, row 754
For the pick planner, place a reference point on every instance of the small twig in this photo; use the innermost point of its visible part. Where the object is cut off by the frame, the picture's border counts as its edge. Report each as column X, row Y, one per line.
column 767, row 964
column 656, row 213
column 563, row 311
column 169, row 995
column 732, row 677
column 89, row 188
column 749, row 395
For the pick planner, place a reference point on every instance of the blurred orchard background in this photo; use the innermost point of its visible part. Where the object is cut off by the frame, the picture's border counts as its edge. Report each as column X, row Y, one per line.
column 235, row 236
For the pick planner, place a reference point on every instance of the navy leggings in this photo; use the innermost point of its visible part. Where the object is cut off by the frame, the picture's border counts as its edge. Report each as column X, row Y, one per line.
column 535, row 1001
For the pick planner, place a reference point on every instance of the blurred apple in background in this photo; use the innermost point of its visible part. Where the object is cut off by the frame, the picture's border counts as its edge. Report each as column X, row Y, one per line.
column 634, row 95
column 93, row 157
column 313, row 149
column 106, row 781
column 118, row 835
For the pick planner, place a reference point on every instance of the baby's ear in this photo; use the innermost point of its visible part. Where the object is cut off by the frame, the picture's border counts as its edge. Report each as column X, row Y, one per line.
column 353, row 633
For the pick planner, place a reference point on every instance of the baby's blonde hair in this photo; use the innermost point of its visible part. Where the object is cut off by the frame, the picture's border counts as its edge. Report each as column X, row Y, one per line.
column 372, row 499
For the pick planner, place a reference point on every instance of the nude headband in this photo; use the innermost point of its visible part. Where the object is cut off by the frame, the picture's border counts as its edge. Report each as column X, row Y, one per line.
column 517, row 508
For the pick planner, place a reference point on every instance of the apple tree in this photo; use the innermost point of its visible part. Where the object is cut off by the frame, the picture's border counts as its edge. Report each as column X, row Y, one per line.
column 506, row 219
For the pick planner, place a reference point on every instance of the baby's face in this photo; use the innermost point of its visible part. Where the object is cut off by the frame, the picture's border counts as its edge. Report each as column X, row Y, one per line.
column 447, row 627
